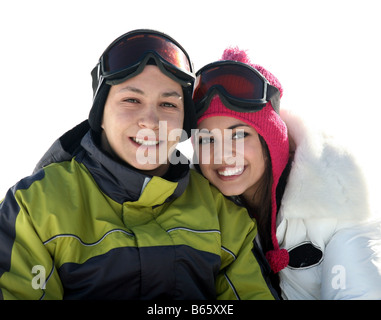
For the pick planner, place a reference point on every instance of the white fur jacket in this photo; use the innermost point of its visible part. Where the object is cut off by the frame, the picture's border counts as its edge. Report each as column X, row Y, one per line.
column 325, row 222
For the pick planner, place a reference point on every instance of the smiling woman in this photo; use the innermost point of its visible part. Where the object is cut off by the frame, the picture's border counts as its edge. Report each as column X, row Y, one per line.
column 230, row 155
column 296, row 182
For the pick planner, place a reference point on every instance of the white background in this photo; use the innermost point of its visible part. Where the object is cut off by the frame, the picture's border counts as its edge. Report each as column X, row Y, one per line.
column 325, row 53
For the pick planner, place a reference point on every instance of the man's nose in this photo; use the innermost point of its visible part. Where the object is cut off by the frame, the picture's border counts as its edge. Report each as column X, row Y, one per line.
column 149, row 118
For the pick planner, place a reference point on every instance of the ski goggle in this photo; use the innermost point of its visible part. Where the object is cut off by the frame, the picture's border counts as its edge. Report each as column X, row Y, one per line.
column 128, row 55
column 240, row 87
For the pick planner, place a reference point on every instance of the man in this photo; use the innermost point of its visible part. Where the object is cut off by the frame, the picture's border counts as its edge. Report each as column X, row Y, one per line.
column 113, row 211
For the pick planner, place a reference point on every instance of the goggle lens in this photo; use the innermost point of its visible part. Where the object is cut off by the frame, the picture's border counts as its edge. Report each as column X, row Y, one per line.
column 129, row 50
column 238, row 81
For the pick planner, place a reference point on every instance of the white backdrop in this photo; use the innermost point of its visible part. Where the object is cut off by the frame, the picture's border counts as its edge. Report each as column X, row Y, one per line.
column 325, row 53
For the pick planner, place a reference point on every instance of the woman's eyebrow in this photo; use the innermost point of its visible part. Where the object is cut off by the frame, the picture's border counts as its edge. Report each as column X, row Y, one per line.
column 204, row 130
column 238, row 125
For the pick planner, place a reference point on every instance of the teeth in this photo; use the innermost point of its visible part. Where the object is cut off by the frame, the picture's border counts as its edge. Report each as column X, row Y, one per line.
column 145, row 142
column 230, row 171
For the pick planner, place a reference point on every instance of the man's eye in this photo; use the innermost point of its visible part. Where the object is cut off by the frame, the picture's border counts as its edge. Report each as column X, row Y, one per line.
column 131, row 100
column 168, row 105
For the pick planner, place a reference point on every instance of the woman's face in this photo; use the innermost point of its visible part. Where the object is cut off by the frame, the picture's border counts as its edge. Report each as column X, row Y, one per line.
column 230, row 155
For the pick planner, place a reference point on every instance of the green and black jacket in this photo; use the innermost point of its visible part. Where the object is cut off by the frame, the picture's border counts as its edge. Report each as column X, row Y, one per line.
column 101, row 230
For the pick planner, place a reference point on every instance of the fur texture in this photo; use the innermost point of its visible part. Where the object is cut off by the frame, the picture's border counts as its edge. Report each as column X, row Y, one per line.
column 326, row 205
column 325, row 180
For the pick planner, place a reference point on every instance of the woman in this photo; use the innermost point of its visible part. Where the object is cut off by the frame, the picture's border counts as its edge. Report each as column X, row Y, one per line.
column 306, row 193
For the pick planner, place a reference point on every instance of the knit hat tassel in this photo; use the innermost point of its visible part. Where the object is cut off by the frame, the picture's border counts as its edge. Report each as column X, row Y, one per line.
column 278, row 259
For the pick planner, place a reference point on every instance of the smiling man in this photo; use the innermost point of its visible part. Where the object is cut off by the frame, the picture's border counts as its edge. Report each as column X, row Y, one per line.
column 96, row 222
column 139, row 116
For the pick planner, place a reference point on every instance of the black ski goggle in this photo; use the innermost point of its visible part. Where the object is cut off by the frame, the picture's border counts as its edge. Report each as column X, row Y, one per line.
column 128, row 55
column 240, row 87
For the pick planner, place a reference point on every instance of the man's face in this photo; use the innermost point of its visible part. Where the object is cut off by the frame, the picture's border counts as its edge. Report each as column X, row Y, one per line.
column 136, row 111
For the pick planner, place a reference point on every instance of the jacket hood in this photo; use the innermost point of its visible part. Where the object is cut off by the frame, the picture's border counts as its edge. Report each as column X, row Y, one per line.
column 326, row 180
column 65, row 147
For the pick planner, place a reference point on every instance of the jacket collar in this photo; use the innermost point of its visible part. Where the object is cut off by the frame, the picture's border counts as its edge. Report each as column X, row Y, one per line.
column 122, row 182
column 118, row 181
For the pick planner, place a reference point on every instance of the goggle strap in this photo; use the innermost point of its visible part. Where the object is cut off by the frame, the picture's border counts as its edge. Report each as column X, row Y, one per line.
column 95, row 76
column 229, row 104
column 141, row 65
column 273, row 95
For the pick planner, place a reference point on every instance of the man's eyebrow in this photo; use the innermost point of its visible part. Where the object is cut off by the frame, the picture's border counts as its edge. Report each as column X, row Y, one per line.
column 139, row 91
column 133, row 89
column 171, row 94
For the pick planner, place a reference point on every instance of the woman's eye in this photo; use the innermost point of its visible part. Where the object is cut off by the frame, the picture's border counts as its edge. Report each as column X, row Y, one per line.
column 239, row 134
column 205, row 140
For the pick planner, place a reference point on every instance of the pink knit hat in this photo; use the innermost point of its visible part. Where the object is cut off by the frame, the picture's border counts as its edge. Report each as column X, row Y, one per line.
column 271, row 127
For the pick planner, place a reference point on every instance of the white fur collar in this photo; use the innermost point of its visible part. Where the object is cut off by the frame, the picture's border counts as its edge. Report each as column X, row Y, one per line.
column 325, row 179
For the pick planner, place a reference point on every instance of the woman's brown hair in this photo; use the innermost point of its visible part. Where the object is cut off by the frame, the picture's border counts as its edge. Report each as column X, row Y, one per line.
column 261, row 210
